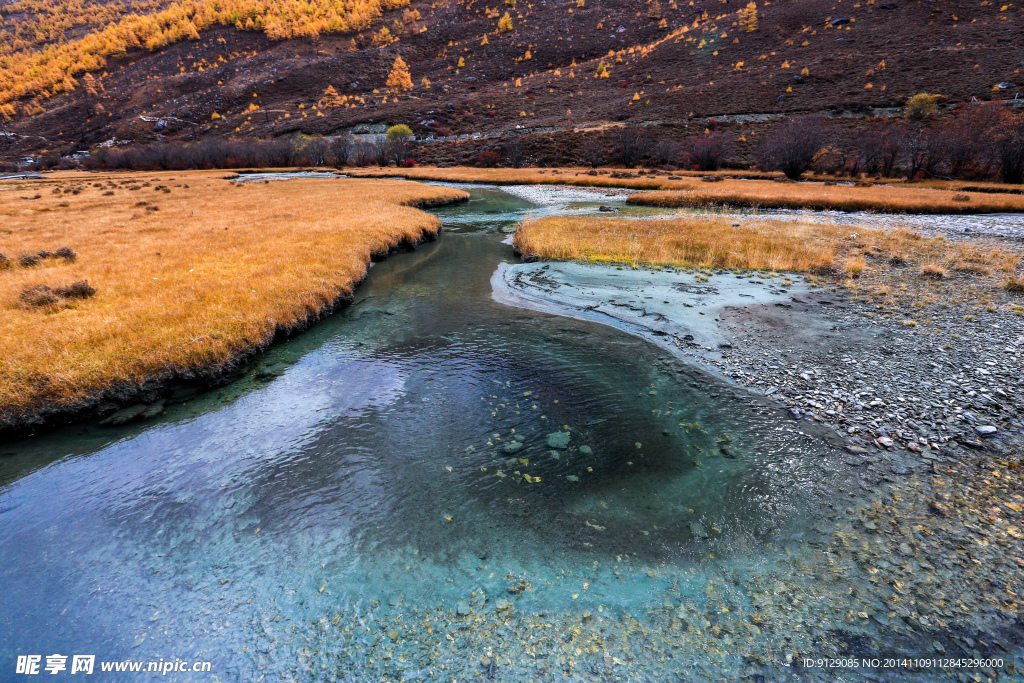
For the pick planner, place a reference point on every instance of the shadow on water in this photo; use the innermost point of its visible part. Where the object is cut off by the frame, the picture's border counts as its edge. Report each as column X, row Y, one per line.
column 428, row 442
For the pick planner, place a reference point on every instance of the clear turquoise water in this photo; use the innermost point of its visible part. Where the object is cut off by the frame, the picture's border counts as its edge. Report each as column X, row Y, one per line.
column 355, row 507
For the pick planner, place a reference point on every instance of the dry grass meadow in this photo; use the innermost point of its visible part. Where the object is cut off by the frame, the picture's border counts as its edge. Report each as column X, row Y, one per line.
column 687, row 189
column 189, row 271
column 761, row 245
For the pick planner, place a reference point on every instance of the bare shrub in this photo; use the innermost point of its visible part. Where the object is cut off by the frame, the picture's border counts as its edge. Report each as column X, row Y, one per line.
column 592, row 151
column 1010, row 147
column 515, row 151
column 961, row 198
column 38, row 297
column 4, row 262
column 340, row 149
column 76, row 290
column 708, row 152
column 29, row 260
column 315, row 152
column 793, row 147
column 666, row 152
column 969, row 145
column 66, row 253
column 632, row 144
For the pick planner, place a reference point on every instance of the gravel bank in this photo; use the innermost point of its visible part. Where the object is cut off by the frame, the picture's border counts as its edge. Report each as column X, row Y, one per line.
column 928, row 400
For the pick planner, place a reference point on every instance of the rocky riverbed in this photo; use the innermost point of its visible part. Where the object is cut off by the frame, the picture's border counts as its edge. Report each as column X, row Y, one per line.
column 928, row 399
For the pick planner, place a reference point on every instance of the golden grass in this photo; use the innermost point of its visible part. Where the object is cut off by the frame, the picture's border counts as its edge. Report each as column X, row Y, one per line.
column 1013, row 285
column 748, row 244
column 213, row 273
column 880, row 198
column 688, row 190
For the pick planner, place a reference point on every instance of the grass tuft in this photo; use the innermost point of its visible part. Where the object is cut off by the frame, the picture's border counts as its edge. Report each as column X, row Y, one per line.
column 1014, row 286
column 933, row 271
column 855, row 267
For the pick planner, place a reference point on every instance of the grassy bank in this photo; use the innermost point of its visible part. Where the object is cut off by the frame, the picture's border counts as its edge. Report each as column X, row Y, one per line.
column 690, row 190
column 762, row 245
column 189, row 271
column 815, row 196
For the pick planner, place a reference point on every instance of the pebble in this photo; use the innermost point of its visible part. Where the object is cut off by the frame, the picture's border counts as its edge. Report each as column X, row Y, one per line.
column 558, row 439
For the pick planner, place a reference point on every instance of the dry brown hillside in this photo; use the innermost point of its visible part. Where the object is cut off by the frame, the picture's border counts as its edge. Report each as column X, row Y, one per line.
column 675, row 62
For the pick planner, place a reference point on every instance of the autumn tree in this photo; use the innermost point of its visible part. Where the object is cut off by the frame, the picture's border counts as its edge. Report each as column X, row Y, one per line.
column 748, row 18
column 92, row 91
column 399, row 78
column 505, row 24
column 921, row 106
column 331, row 99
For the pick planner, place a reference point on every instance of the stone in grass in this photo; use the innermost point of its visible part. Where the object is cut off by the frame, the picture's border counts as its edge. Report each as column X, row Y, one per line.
column 985, row 430
column 698, row 530
column 559, row 439
column 586, row 450
column 462, row 608
column 512, row 446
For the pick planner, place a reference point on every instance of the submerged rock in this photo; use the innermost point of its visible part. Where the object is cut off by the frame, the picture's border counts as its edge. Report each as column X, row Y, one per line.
column 559, row 439
column 125, row 415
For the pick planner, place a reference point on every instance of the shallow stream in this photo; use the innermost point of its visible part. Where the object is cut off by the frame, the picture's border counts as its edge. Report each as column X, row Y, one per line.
column 434, row 486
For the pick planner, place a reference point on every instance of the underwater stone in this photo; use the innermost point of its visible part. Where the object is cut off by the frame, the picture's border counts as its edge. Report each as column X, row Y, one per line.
column 558, row 439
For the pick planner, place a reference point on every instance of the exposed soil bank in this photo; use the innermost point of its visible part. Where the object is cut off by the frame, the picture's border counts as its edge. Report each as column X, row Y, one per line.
column 127, row 401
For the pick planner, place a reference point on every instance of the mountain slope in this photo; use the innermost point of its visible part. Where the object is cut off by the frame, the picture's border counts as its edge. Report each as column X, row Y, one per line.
column 664, row 62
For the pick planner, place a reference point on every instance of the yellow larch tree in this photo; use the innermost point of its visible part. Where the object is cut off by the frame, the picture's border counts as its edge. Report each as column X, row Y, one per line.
column 331, row 99
column 399, row 79
column 748, row 18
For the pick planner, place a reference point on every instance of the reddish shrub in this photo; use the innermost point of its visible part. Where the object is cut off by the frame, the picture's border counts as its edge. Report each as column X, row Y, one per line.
column 488, row 159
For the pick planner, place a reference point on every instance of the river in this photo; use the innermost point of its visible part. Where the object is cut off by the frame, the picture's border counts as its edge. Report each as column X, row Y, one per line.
column 434, row 486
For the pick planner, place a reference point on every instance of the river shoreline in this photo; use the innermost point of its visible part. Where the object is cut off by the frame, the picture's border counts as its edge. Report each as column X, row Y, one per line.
column 835, row 338
column 930, row 419
column 128, row 402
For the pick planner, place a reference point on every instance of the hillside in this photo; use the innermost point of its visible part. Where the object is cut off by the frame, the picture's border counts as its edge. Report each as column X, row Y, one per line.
column 669, row 62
